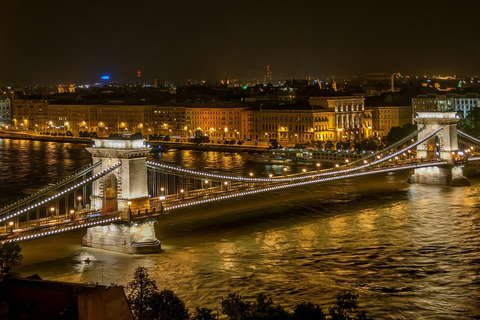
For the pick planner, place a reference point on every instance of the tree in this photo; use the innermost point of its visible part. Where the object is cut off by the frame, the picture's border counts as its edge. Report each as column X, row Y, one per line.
column 329, row 145
column 319, row 144
column 200, row 139
column 346, row 308
column 234, row 307
column 471, row 123
column 10, row 258
column 339, row 145
column 136, row 135
column 308, row 310
column 274, row 144
column 398, row 133
column 166, row 138
column 165, row 305
column 140, row 293
column 263, row 308
column 203, row 314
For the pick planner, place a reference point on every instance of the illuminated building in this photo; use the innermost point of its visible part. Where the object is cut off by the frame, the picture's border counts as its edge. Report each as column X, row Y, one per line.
column 215, row 120
column 349, row 115
column 170, row 120
column 461, row 103
column 64, row 89
column 30, row 113
column 386, row 117
column 5, row 109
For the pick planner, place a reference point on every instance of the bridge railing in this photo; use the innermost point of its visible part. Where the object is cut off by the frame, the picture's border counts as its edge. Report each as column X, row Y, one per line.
column 44, row 192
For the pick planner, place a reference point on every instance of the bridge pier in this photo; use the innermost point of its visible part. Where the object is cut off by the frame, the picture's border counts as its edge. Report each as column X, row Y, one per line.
column 450, row 176
column 124, row 237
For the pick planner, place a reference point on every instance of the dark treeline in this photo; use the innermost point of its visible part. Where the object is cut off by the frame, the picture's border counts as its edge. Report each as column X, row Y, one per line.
column 148, row 303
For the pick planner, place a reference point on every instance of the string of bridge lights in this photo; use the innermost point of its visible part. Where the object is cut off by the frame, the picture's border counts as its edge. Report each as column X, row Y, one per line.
column 468, row 136
column 52, row 232
column 411, row 135
column 48, row 189
column 95, row 177
column 345, row 176
column 290, row 178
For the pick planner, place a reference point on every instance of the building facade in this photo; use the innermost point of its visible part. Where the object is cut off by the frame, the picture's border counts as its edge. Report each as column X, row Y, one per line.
column 5, row 109
column 460, row 103
column 386, row 117
column 350, row 116
column 217, row 121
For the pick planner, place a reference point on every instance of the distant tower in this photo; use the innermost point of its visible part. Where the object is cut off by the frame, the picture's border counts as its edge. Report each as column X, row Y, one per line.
column 267, row 75
column 334, row 85
column 139, row 74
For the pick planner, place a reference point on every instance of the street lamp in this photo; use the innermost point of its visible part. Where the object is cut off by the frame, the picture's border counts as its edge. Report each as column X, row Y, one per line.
column 79, row 198
column 11, row 226
column 52, row 209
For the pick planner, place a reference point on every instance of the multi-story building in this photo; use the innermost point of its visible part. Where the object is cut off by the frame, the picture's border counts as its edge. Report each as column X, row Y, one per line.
column 350, row 117
column 170, row 120
column 30, row 113
column 216, row 120
column 461, row 103
column 294, row 125
column 386, row 117
column 5, row 109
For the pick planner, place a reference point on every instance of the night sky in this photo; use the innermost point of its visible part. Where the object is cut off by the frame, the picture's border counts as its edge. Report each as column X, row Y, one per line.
column 52, row 42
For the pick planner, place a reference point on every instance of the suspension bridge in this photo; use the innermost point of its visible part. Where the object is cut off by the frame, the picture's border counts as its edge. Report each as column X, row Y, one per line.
column 119, row 196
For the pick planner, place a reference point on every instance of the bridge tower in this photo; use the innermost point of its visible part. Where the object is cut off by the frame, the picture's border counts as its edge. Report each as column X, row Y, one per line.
column 443, row 146
column 125, row 189
column 126, row 184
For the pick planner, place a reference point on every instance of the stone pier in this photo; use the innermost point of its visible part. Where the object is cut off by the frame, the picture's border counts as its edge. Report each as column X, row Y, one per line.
column 124, row 237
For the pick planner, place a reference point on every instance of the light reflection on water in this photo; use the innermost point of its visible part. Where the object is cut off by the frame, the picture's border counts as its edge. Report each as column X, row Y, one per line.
column 409, row 251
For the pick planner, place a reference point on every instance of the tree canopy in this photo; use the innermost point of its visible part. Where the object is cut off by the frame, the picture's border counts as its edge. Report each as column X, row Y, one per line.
column 10, row 258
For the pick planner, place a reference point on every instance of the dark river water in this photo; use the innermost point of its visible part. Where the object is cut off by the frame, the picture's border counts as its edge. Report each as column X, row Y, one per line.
column 408, row 251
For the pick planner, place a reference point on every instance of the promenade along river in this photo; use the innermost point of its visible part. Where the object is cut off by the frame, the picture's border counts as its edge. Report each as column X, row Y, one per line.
column 409, row 251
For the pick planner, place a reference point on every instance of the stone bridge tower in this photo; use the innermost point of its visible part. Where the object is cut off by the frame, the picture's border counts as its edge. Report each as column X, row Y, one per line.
column 127, row 183
column 443, row 146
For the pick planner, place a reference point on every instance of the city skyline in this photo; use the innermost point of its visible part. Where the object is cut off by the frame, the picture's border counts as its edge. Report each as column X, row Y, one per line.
column 56, row 42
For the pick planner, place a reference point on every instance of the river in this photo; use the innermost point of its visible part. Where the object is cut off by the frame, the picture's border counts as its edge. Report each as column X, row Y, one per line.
column 409, row 251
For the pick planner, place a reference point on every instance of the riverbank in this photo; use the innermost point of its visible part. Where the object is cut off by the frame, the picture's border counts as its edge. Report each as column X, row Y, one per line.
column 37, row 137
column 206, row 147
column 154, row 144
